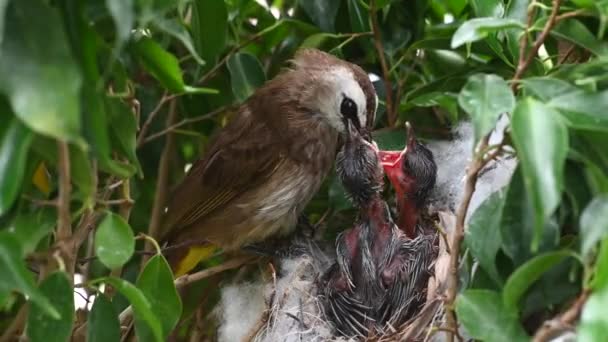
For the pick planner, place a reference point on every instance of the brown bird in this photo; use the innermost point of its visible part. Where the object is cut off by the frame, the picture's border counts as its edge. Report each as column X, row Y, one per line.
column 261, row 170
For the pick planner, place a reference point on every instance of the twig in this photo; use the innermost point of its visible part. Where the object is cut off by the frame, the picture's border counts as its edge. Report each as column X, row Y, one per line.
column 479, row 161
column 64, row 222
column 391, row 113
column 184, row 122
column 144, row 128
column 206, row 273
column 524, row 62
column 558, row 324
column 16, row 326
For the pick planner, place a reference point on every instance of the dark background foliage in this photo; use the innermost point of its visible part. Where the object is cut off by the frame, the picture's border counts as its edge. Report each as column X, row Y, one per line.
column 103, row 104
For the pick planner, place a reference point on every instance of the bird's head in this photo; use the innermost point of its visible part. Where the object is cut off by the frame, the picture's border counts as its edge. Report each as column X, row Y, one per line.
column 339, row 91
column 358, row 167
column 412, row 171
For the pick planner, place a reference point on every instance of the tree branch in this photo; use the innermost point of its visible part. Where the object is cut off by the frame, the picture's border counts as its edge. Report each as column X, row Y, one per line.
column 64, row 221
column 390, row 112
column 563, row 321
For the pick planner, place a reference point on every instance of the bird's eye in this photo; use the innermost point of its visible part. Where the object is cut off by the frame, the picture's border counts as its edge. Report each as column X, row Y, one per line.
column 348, row 109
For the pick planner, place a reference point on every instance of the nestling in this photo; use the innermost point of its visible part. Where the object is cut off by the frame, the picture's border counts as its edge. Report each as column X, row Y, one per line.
column 261, row 170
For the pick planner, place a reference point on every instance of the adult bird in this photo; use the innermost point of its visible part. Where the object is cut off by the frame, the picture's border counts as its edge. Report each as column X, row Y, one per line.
column 412, row 173
column 380, row 275
column 261, row 170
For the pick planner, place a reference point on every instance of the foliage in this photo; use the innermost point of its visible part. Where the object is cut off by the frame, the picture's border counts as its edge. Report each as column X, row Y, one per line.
column 103, row 105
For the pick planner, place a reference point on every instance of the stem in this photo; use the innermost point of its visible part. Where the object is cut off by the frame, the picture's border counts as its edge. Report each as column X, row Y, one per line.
column 391, row 113
column 64, row 224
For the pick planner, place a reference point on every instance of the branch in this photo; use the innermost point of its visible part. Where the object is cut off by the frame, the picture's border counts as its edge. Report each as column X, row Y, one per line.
column 479, row 161
column 144, row 128
column 64, row 222
column 16, row 326
column 391, row 113
column 558, row 324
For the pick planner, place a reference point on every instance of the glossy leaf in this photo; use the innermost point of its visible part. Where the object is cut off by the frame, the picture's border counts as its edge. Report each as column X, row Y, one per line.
column 15, row 140
column 524, row 276
column 40, row 327
column 29, row 228
column 594, row 323
column 114, row 242
column 488, row 8
column 16, row 276
column 485, row 98
column 541, row 140
column 484, row 316
column 123, row 16
column 321, row 12
column 209, row 27
column 142, row 308
column 156, row 283
column 483, row 233
column 479, row 28
column 41, row 80
column 547, row 88
column 103, row 324
column 594, row 223
column 179, row 31
column 246, row 74
column 160, row 63
column 582, row 109
column 577, row 33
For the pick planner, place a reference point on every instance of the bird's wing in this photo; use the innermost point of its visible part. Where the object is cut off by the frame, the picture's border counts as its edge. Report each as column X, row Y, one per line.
column 244, row 154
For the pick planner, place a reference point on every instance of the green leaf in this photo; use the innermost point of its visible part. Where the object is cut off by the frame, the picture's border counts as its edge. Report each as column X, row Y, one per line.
column 547, row 88
column 103, row 324
column 524, row 276
column 123, row 16
column 593, row 326
column 161, row 64
column 488, row 8
column 15, row 140
column 114, row 242
column 583, row 109
column 30, row 227
column 156, row 283
column 594, row 224
column 600, row 277
column 142, row 308
column 246, row 74
column 41, row 327
column 479, row 28
column 485, row 97
column 574, row 31
column 3, row 5
column 16, row 277
column 483, row 233
column 338, row 199
column 209, row 27
column 484, row 316
column 179, row 31
column 359, row 16
column 124, row 130
column 321, row 12
column 541, row 140
column 39, row 74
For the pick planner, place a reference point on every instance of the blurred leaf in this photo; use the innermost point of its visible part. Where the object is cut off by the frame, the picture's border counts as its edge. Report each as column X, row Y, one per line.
column 541, row 140
column 484, row 316
column 30, row 227
column 124, row 130
column 445, row 100
column 600, row 277
column 161, row 64
column 16, row 277
column 594, row 224
column 321, row 12
column 114, row 242
column 316, row 41
column 583, row 109
column 525, row 275
column 359, row 16
column 41, row 327
column 593, row 325
column 122, row 14
column 209, row 27
column 41, row 179
column 547, row 88
column 103, row 324
column 338, row 199
column 15, row 140
column 574, row 31
column 177, row 30
column 156, row 283
column 142, row 309
column 483, row 233
column 488, row 8
column 485, row 98
column 246, row 74
column 479, row 28
column 40, row 77
column 393, row 139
